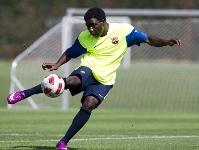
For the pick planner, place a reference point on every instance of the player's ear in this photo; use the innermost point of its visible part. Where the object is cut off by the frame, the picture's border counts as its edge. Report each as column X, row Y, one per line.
column 103, row 21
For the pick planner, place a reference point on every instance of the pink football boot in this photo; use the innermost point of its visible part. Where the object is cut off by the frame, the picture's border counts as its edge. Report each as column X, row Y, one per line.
column 15, row 97
column 62, row 145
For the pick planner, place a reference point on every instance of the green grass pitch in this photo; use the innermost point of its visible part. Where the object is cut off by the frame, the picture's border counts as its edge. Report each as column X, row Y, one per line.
column 106, row 130
column 116, row 129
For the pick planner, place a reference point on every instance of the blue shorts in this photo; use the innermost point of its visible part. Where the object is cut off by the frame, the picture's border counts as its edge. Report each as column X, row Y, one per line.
column 90, row 86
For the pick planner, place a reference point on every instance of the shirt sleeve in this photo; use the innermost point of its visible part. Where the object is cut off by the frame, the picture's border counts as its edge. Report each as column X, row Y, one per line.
column 76, row 49
column 135, row 38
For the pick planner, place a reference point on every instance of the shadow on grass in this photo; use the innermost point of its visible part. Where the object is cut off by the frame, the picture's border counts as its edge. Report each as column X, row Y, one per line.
column 39, row 148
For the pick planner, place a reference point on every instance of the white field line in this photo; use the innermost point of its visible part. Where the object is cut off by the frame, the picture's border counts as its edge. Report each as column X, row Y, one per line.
column 117, row 137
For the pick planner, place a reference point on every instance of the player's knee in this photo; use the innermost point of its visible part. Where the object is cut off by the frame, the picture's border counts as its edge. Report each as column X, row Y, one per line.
column 90, row 103
column 72, row 82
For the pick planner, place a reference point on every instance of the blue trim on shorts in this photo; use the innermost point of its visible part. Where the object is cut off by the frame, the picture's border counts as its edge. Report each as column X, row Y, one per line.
column 90, row 86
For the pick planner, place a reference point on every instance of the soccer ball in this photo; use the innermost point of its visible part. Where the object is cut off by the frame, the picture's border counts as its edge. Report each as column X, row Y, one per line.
column 53, row 85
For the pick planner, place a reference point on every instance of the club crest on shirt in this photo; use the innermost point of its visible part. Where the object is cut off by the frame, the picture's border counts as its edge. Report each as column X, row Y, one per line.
column 115, row 40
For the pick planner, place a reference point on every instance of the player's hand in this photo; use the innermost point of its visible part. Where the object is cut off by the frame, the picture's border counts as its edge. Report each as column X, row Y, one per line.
column 49, row 66
column 174, row 41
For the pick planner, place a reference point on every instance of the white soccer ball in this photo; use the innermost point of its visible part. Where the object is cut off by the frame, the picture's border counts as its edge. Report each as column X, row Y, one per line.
column 53, row 85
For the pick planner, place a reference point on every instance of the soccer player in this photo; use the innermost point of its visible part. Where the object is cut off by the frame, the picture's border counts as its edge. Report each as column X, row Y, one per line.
column 103, row 46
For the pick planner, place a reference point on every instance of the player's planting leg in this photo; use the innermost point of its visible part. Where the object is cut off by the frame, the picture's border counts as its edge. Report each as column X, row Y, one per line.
column 79, row 120
column 62, row 145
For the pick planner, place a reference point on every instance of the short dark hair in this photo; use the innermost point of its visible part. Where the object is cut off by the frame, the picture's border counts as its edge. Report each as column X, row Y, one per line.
column 96, row 13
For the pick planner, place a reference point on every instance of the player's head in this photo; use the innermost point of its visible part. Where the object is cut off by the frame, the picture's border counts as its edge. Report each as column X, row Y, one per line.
column 95, row 19
column 96, row 13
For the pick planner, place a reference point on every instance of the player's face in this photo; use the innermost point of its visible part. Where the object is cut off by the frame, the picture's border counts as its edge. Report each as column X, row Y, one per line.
column 95, row 27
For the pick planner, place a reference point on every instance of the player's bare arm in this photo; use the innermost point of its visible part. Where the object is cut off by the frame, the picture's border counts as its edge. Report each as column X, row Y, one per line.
column 54, row 66
column 158, row 42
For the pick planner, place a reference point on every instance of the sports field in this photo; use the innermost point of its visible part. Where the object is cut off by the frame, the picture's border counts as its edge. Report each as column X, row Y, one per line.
column 115, row 129
column 106, row 130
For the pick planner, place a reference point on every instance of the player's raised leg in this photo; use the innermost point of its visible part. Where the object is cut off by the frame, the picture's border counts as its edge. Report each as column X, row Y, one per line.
column 21, row 95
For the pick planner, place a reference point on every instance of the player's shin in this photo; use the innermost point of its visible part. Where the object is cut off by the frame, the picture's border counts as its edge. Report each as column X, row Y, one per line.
column 34, row 90
column 78, row 122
